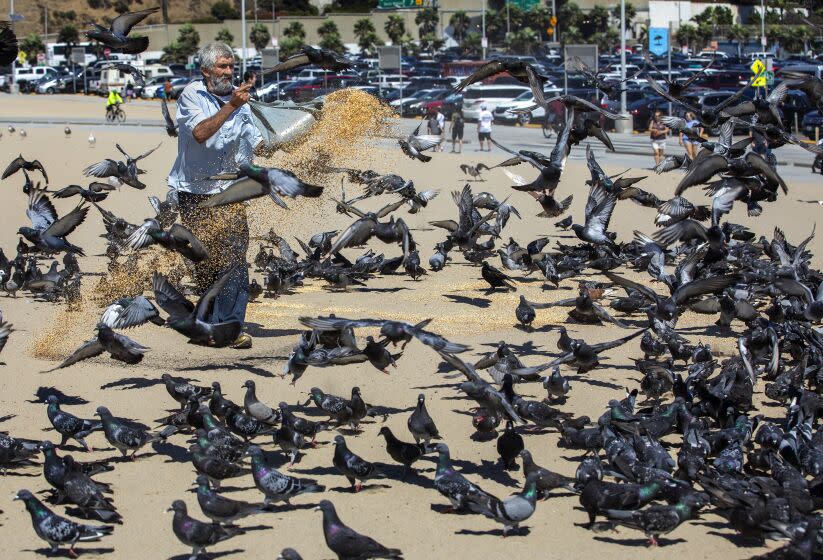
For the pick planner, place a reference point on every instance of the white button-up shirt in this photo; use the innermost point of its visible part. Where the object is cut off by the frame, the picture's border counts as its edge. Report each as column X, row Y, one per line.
column 231, row 145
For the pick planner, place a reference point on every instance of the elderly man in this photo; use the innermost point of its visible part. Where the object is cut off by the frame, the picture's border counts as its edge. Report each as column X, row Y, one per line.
column 216, row 133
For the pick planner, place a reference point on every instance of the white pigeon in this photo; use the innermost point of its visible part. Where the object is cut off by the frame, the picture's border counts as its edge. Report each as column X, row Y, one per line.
column 22, row 133
column 67, row 132
column 92, row 139
column 11, row 129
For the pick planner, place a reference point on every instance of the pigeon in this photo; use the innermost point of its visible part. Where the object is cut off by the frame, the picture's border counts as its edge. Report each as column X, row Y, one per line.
column 5, row 330
column 495, row 278
column 657, row 520
column 182, row 390
column 253, row 182
column 420, row 424
column 8, row 45
column 124, row 435
column 353, row 467
column 546, row 480
column 214, row 463
column 599, row 208
column 256, row 409
column 347, row 543
column 116, row 36
column 92, row 140
column 20, row 163
column 198, row 534
column 57, row 530
column 82, row 491
column 510, row 512
column 128, row 312
column 95, row 193
column 221, row 509
column 126, row 68
column 48, row 233
column 509, row 446
column 171, row 126
column 452, row 484
column 326, row 59
column 414, row 144
column 289, row 554
column 517, row 68
column 474, row 170
column 276, row 486
column 70, row 426
column 124, row 172
column 119, row 346
column 190, row 320
column 178, row 238
column 402, row 452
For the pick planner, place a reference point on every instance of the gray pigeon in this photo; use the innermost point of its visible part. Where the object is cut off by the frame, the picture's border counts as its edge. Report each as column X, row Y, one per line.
column 123, row 435
column 198, row 534
column 119, row 347
column 352, row 466
column 57, row 530
column 509, row 512
column 289, row 554
column 69, row 425
column 277, row 486
column 421, row 424
column 258, row 410
column 221, row 509
column 347, row 543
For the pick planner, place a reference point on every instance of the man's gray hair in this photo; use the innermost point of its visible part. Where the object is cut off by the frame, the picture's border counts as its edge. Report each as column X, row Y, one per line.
column 209, row 54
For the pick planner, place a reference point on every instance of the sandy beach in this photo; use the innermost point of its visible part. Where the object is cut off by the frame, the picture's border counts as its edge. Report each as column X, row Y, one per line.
column 398, row 514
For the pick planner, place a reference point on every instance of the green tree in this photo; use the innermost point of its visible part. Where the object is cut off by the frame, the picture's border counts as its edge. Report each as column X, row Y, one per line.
column 471, row 45
column 187, row 43
column 706, row 16
column 395, row 28
column 330, row 37
column 289, row 46
column 32, row 45
column 410, row 46
column 606, row 41
column 723, row 15
column 431, row 42
column 68, row 34
column 686, row 34
column 740, row 34
column 597, row 20
column 427, row 20
column 569, row 14
column 224, row 36
column 460, row 23
column 295, row 30
column 705, row 32
column 366, row 35
column 570, row 35
column 538, row 18
column 259, row 36
column 631, row 13
column 223, row 10
column 521, row 41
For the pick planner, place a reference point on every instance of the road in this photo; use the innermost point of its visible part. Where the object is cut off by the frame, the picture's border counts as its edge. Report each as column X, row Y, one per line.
column 631, row 150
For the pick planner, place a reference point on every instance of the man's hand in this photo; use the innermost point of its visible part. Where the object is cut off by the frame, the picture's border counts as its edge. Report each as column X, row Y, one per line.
column 240, row 96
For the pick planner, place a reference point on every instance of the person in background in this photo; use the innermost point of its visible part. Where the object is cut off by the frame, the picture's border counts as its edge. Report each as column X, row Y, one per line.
column 441, row 122
column 484, row 128
column 690, row 145
column 433, row 125
column 250, row 76
column 113, row 100
column 657, row 134
column 167, row 89
column 457, row 125
column 216, row 134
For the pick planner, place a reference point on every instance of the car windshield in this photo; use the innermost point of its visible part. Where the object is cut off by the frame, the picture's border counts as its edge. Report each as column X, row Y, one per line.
column 525, row 96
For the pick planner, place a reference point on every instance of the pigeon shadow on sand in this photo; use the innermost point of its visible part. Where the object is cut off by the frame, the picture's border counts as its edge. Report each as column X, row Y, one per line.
column 520, row 532
column 259, row 331
column 236, row 366
column 594, row 382
column 175, row 453
column 486, row 469
column 380, row 290
column 133, row 383
column 480, row 302
column 641, row 542
column 208, row 555
column 64, row 552
column 43, row 393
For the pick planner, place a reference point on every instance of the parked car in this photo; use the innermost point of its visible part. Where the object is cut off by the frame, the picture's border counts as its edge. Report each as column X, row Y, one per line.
column 447, row 104
column 154, row 86
column 812, row 124
column 794, row 108
column 420, row 106
column 404, row 103
column 177, row 85
column 642, row 110
column 476, row 96
column 502, row 113
column 26, row 77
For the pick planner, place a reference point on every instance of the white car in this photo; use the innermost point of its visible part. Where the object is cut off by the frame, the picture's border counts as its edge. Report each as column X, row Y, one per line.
column 502, row 113
column 474, row 97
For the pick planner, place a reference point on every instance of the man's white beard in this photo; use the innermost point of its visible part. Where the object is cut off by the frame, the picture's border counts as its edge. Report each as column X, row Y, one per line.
column 219, row 85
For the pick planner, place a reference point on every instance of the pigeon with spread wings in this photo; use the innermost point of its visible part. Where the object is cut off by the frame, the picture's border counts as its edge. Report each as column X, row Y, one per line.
column 116, row 35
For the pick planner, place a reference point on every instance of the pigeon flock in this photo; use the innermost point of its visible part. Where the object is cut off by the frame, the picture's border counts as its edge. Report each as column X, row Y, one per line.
column 732, row 434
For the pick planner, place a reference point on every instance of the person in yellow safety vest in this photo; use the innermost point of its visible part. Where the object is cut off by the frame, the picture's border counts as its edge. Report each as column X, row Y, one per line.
column 113, row 100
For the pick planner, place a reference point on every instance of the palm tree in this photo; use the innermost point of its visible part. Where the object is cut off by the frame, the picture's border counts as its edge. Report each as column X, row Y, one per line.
column 427, row 19
column 521, row 41
column 740, row 34
column 366, row 34
column 395, row 28
column 259, row 36
column 224, row 36
column 295, row 30
column 460, row 23
column 686, row 34
column 330, row 37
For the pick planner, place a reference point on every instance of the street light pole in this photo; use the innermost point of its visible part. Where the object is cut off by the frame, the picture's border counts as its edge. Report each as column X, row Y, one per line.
column 483, row 39
column 622, row 56
column 508, row 20
column 762, row 26
column 243, row 37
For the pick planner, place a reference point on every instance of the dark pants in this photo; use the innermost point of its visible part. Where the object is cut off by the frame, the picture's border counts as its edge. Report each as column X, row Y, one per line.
column 224, row 232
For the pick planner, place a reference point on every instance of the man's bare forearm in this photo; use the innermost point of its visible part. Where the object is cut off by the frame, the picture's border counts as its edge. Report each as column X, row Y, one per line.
column 207, row 128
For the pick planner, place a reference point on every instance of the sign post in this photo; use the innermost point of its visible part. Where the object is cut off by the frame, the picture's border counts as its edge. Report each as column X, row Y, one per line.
column 78, row 56
column 758, row 69
column 268, row 59
column 389, row 58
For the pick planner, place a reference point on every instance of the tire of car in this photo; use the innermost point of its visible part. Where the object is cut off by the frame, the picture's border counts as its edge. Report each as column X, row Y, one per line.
column 50, row 91
column 524, row 118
